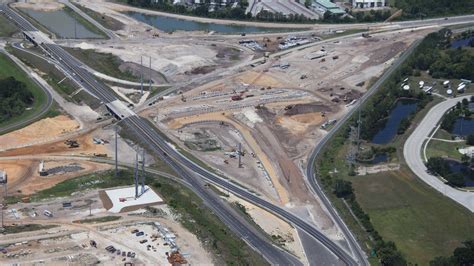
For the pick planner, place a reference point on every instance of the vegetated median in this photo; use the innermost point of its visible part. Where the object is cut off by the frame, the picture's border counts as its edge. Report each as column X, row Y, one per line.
column 397, row 217
column 88, row 25
column 191, row 210
column 21, row 98
column 105, row 63
column 55, row 78
column 106, row 21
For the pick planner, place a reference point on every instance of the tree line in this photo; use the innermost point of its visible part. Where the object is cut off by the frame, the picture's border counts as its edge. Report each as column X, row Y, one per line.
column 386, row 251
column 14, row 98
column 461, row 109
column 226, row 12
column 463, row 255
column 433, row 55
column 440, row 166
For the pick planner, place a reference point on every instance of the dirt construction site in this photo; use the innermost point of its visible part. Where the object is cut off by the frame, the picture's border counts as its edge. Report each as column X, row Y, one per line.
column 252, row 117
column 277, row 110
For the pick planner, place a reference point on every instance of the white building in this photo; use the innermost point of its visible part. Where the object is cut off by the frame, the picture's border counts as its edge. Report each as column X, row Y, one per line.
column 369, row 3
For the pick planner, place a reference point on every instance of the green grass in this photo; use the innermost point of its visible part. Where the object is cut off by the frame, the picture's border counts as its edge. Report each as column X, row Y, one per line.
column 442, row 134
column 438, row 148
column 423, row 223
column 15, row 229
column 93, row 181
column 106, row 21
column 7, row 29
column 107, row 64
column 98, row 220
column 9, row 69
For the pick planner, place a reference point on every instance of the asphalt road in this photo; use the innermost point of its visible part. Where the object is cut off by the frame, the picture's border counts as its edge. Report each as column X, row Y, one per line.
column 311, row 177
column 188, row 169
column 44, row 108
column 154, row 141
column 413, row 156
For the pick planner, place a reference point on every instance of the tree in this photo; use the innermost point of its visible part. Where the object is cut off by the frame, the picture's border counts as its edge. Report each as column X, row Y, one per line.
column 342, row 188
column 455, row 179
column 470, row 139
column 462, row 256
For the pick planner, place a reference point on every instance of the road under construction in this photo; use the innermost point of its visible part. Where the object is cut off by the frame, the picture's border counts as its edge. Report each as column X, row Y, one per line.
column 195, row 175
column 180, row 164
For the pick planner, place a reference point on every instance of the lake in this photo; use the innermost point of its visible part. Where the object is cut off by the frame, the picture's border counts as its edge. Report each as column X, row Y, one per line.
column 403, row 109
column 461, row 42
column 170, row 24
column 463, row 127
column 62, row 24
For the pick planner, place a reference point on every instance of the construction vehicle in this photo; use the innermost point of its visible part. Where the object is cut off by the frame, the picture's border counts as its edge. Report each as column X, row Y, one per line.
column 175, row 258
column 72, row 143
column 237, row 96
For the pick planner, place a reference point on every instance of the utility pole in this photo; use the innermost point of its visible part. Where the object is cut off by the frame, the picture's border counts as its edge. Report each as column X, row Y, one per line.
column 141, row 74
column 136, row 175
column 240, row 155
column 143, row 172
column 116, row 153
column 149, row 72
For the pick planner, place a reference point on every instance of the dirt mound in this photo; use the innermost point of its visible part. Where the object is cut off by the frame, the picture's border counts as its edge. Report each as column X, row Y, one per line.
column 45, row 129
column 299, row 109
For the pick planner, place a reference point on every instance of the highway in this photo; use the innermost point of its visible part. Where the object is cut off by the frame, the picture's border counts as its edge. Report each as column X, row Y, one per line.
column 413, row 155
column 111, row 34
column 187, row 169
column 311, row 177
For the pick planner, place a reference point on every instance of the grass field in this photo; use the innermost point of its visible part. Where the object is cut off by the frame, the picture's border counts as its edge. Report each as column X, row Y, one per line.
column 9, row 69
column 438, row 148
column 423, row 223
column 7, row 29
column 105, row 63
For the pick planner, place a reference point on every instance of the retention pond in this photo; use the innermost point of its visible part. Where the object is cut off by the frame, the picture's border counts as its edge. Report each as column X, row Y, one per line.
column 170, row 24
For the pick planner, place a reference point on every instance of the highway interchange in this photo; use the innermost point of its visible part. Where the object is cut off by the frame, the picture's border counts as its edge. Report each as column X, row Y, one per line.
column 193, row 174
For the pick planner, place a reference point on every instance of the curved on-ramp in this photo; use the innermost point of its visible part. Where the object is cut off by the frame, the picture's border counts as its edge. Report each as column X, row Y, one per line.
column 413, row 156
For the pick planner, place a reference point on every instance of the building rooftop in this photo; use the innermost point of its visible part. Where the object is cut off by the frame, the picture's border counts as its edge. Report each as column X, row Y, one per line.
column 327, row 4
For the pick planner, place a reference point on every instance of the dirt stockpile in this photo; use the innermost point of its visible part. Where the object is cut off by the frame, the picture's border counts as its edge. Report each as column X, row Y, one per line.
column 299, row 109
